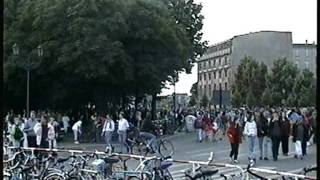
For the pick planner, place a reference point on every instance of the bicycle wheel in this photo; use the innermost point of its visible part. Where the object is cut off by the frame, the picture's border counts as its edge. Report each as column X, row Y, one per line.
column 54, row 176
column 165, row 148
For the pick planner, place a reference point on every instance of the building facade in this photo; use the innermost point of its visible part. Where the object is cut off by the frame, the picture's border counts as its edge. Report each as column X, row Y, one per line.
column 304, row 56
column 218, row 65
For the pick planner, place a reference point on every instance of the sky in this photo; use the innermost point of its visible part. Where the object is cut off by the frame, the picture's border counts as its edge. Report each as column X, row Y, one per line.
column 224, row 19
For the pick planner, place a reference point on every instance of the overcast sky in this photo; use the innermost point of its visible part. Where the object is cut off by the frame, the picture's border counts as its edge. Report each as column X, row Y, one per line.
column 227, row 18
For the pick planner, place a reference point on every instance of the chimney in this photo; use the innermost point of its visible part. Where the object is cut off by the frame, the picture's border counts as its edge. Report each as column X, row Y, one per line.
column 306, row 41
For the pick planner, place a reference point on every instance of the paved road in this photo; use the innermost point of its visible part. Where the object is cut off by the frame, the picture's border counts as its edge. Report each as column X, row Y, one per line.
column 186, row 148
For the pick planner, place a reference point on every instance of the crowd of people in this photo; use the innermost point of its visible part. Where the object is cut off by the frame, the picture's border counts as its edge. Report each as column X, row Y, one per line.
column 266, row 128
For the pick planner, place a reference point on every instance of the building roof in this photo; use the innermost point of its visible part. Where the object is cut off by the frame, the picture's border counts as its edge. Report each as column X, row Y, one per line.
column 303, row 45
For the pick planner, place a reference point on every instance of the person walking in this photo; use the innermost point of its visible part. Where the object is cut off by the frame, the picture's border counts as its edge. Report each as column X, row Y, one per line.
column 275, row 134
column 53, row 138
column 198, row 125
column 123, row 126
column 306, row 129
column 261, row 133
column 29, row 130
column 297, row 132
column 107, row 132
column 76, row 128
column 234, row 134
column 285, row 133
column 250, row 130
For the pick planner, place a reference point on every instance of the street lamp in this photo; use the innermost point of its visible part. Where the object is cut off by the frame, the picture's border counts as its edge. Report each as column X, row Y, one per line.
column 28, row 67
column 220, row 93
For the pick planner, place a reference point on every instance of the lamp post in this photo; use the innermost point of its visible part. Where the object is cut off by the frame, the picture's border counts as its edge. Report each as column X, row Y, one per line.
column 220, row 93
column 28, row 67
column 174, row 96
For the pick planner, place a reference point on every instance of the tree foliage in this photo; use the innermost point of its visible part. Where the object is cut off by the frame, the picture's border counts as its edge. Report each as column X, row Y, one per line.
column 98, row 50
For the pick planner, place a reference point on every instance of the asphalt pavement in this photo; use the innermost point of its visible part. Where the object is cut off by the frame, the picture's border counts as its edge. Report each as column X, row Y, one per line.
column 187, row 148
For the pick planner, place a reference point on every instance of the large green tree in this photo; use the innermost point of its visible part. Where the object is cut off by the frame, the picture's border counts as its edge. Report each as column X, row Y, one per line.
column 98, row 50
column 250, row 77
column 281, row 80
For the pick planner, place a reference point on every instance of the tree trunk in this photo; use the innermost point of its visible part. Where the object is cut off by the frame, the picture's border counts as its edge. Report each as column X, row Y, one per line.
column 153, row 106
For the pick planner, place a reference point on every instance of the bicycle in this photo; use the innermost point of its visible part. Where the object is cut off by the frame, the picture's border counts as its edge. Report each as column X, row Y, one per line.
column 139, row 145
column 201, row 174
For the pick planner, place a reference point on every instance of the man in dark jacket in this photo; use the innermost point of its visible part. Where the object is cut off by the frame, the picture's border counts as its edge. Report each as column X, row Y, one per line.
column 262, row 127
column 285, row 133
column 275, row 134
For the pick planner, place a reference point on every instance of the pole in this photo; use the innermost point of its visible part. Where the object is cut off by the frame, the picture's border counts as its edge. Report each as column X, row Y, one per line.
column 220, row 92
column 174, row 99
column 28, row 89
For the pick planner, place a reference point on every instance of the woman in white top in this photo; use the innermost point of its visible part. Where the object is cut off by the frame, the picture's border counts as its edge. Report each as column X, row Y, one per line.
column 77, row 131
column 107, row 131
column 250, row 129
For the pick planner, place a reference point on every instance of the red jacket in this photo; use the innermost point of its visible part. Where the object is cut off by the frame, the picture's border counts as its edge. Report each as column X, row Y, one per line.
column 234, row 134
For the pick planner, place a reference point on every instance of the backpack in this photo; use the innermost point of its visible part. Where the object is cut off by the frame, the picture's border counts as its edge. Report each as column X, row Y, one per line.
column 18, row 134
column 197, row 123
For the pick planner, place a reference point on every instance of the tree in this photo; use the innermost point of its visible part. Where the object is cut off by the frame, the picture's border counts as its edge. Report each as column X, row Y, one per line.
column 99, row 51
column 266, row 97
column 250, row 99
column 250, row 76
column 204, row 101
column 236, row 98
column 194, row 94
column 282, row 80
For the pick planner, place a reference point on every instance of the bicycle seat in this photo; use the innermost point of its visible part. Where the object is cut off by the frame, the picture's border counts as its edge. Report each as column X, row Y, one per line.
column 165, row 165
column 61, row 160
column 109, row 160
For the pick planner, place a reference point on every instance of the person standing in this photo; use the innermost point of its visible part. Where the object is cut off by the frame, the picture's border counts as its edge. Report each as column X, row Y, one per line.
column 275, row 134
column 76, row 128
column 16, row 133
column 123, row 126
column 285, row 133
column 234, row 134
column 107, row 132
column 29, row 130
column 250, row 130
column 53, row 138
column 44, row 132
column 65, row 121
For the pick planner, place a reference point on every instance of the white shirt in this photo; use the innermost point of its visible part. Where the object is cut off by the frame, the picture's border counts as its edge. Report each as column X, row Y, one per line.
column 65, row 120
column 123, row 125
column 250, row 128
column 77, row 126
column 108, row 126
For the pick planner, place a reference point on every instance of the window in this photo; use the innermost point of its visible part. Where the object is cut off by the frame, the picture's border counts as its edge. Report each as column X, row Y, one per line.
column 215, row 86
column 297, row 52
column 199, row 65
column 225, row 86
column 204, row 65
column 307, row 52
column 225, row 61
column 307, row 65
column 220, row 72
column 209, row 89
column 219, row 61
column 214, row 75
column 220, row 87
column 214, row 62
column 209, row 76
column 199, row 77
column 225, row 73
column 204, row 77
